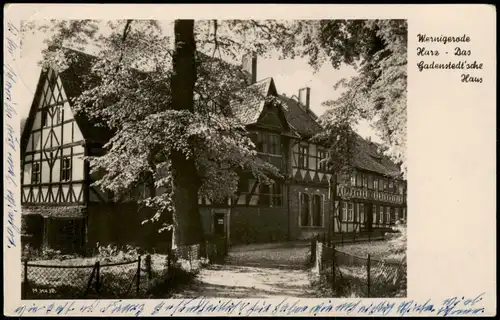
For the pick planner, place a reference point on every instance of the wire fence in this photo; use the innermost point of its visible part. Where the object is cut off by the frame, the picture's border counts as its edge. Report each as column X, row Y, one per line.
column 98, row 280
column 143, row 277
column 349, row 274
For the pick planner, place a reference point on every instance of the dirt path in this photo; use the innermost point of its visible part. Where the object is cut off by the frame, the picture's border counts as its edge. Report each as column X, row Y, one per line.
column 256, row 271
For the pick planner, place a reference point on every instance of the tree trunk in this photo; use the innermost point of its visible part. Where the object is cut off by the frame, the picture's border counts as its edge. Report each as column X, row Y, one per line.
column 185, row 182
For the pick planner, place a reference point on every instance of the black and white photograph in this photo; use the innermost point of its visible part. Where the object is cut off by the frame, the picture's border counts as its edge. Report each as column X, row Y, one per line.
column 175, row 159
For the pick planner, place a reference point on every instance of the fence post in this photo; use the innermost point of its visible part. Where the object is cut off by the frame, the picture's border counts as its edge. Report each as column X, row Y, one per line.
column 333, row 270
column 149, row 267
column 25, row 287
column 368, row 275
column 313, row 250
column 169, row 264
column 138, row 280
column 97, row 277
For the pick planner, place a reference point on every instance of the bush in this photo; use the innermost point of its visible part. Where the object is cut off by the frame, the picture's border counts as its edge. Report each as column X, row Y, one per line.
column 44, row 253
column 112, row 253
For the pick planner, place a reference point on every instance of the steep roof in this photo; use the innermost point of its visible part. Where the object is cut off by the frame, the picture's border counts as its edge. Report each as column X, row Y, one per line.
column 73, row 83
column 367, row 157
column 300, row 118
column 72, row 79
column 250, row 103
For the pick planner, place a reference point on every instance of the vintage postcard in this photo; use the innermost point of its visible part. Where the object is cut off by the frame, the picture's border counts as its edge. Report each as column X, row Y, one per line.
column 249, row 160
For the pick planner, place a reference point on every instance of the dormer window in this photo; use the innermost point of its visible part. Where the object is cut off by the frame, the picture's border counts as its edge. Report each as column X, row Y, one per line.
column 269, row 143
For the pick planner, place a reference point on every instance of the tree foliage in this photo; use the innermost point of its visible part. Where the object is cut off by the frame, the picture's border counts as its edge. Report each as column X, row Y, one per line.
column 377, row 49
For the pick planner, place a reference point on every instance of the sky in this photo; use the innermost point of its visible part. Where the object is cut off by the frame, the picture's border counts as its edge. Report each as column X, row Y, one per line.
column 289, row 75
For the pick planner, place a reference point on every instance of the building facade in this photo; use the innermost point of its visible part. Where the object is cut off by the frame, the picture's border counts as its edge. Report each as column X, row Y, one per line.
column 301, row 205
column 62, row 209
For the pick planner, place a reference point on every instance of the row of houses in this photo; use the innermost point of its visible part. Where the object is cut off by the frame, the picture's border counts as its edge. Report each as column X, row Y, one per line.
column 62, row 210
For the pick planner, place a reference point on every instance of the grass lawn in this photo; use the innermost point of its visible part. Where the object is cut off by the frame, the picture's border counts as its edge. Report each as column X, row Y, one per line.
column 378, row 250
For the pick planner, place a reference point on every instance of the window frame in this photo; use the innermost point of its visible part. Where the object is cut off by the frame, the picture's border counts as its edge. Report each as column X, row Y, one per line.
column 361, row 212
column 317, row 204
column 388, row 215
column 343, row 209
column 304, row 205
column 66, row 170
column 303, row 157
column 374, row 214
column 36, row 173
column 321, row 155
column 274, row 195
column 350, row 211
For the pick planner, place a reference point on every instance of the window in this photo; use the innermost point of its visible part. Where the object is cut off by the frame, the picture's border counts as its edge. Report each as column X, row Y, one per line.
column 381, row 184
column 58, row 115
column 304, row 209
column 350, row 214
column 391, row 186
column 270, row 195
column 374, row 215
column 375, row 183
column 35, row 172
column 317, row 210
column 361, row 212
column 396, row 214
column 370, row 182
column 401, row 187
column 45, row 114
column 404, row 214
column 365, row 181
column 387, row 215
column 66, row 169
column 381, row 215
column 359, row 180
column 353, row 179
column 303, row 157
column 385, row 185
column 321, row 165
column 269, row 143
column 344, row 211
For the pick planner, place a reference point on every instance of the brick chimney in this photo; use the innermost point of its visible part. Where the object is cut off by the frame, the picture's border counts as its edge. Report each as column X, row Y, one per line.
column 305, row 97
column 250, row 66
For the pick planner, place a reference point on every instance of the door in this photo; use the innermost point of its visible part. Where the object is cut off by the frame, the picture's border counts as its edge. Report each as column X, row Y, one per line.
column 221, row 229
column 219, row 224
column 369, row 217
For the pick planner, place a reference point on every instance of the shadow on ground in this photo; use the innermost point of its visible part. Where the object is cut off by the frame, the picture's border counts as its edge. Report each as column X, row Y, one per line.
column 257, row 271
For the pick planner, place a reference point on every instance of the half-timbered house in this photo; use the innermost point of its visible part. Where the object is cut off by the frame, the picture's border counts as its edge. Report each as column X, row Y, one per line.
column 300, row 205
column 62, row 209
